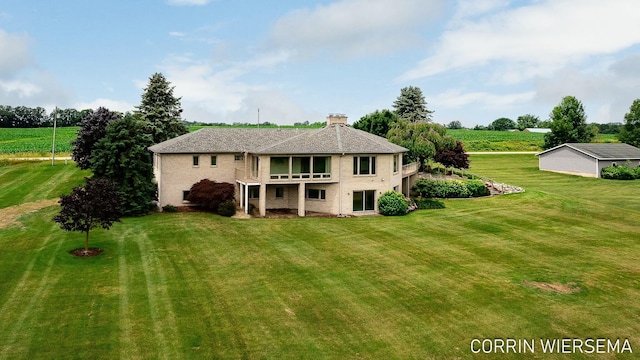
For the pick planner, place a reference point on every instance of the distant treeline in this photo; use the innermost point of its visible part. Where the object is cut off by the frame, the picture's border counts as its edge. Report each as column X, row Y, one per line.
column 26, row 117
column 266, row 124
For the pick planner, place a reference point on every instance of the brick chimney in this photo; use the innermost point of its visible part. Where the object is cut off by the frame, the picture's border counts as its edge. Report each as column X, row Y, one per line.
column 334, row 119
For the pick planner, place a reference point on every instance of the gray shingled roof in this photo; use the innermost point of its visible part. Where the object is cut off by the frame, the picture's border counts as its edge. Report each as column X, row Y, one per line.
column 334, row 139
column 603, row 151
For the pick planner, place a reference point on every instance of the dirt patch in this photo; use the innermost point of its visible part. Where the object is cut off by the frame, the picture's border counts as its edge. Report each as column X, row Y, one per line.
column 81, row 252
column 9, row 215
column 568, row 288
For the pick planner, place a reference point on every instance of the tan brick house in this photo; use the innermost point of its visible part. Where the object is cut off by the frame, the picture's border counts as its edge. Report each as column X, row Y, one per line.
column 336, row 169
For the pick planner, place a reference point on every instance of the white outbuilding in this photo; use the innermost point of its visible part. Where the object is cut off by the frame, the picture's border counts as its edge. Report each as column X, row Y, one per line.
column 587, row 159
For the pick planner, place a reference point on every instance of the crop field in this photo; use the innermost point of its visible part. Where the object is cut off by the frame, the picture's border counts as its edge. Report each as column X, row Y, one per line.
column 558, row 261
column 489, row 140
column 37, row 142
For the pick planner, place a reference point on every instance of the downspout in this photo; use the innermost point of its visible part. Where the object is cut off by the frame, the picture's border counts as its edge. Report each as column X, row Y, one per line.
column 340, row 185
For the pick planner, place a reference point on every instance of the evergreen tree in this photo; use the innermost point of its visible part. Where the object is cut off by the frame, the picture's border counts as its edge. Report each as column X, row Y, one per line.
column 411, row 105
column 160, row 110
column 93, row 127
column 122, row 156
column 630, row 131
column 568, row 124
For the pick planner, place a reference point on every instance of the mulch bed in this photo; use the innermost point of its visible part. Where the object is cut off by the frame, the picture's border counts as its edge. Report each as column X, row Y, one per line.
column 82, row 253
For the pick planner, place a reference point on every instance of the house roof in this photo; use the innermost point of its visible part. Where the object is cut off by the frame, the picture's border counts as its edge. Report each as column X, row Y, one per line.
column 332, row 139
column 602, row 151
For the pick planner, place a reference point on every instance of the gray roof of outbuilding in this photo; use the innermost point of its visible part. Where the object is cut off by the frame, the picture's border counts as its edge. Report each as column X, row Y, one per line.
column 333, row 139
column 603, row 151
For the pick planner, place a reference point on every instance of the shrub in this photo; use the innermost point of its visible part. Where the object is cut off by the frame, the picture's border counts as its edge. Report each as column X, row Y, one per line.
column 169, row 208
column 477, row 188
column 392, row 203
column 443, row 189
column 424, row 203
column 620, row 172
column 227, row 208
column 456, row 189
column 210, row 194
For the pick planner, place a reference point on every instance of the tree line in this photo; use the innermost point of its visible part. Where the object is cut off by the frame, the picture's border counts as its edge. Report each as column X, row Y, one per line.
column 27, row 117
column 410, row 125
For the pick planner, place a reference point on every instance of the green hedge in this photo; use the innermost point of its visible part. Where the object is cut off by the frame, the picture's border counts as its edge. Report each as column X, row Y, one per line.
column 428, row 188
column 426, row 203
column 620, row 172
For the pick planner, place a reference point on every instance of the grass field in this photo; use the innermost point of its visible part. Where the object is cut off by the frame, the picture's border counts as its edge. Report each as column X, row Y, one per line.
column 194, row 285
column 37, row 142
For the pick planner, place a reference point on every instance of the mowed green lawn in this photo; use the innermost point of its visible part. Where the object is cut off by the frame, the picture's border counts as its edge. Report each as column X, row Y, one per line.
column 194, row 285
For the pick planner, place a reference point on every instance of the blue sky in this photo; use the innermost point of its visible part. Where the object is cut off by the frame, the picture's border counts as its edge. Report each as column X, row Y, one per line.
column 475, row 60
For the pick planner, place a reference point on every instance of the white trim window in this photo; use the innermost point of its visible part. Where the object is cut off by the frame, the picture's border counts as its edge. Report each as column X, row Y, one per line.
column 364, row 200
column 196, row 161
column 316, row 194
column 364, row 165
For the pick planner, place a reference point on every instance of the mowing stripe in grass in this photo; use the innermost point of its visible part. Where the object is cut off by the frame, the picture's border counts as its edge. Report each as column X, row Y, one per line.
column 128, row 347
column 13, row 347
column 162, row 315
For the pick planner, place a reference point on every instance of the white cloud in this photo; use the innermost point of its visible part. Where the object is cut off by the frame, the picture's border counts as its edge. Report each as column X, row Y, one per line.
column 606, row 94
column 458, row 98
column 541, row 37
column 111, row 104
column 352, row 28
column 14, row 53
column 188, row 2
column 216, row 92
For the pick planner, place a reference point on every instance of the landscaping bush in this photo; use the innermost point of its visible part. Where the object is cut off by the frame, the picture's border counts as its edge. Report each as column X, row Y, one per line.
column 456, row 189
column 392, row 203
column 227, row 208
column 620, row 172
column 169, row 208
column 443, row 189
column 477, row 188
column 210, row 194
column 425, row 203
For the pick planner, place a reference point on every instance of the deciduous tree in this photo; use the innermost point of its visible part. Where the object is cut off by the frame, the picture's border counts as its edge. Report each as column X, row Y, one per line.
column 454, row 156
column 527, row 121
column 630, row 131
column 455, row 124
column 161, row 110
column 94, row 204
column 568, row 124
column 378, row 122
column 422, row 139
column 210, row 194
column 502, row 124
column 411, row 105
column 92, row 128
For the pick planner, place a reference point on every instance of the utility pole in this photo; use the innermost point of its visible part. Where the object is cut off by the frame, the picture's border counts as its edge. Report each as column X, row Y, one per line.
column 258, row 118
column 53, row 145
